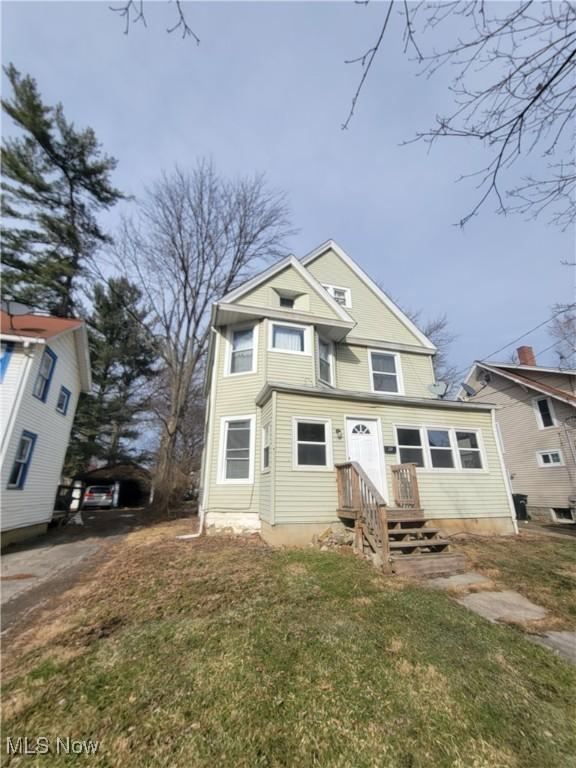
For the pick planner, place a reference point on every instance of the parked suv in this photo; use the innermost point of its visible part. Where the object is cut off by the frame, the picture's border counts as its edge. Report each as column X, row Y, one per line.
column 98, row 496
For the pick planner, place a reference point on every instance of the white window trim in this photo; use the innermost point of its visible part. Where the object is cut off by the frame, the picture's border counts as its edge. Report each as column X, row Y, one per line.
column 329, row 466
column 457, row 468
column 347, row 293
column 539, row 415
column 266, row 428
column 229, row 348
column 332, row 358
column 399, row 375
column 280, row 323
column 539, row 455
column 222, row 480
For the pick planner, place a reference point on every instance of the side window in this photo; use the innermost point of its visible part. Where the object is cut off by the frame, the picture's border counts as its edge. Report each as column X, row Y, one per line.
column 410, row 446
column 552, row 458
column 17, row 479
column 242, row 350
column 63, row 401
column 341, row 295
column 42, row 383
column 325, row 361
column 469, row 450
column 312, row 444
column 266, row 432
column 544, row 412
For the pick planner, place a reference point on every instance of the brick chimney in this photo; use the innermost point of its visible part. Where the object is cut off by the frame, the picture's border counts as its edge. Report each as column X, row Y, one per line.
column 526, row 356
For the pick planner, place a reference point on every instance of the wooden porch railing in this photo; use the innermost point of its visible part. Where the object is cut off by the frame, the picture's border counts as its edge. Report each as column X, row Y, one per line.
column 359, row 499
column 405, row 486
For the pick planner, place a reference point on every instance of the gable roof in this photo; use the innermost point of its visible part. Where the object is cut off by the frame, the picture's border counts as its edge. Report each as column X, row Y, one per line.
column 288, row 261
column 36, row 326
column 537, row 368
column 42, row 328
column 524, row 381
column 367, row 280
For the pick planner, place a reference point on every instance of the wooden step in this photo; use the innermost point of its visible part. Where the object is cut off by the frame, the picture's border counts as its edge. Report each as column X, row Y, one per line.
column 428, row 565
column 398, row 513
column 412, row 531
column 418, row 544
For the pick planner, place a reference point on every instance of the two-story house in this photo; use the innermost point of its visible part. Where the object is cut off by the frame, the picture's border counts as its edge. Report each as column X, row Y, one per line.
column 311, row 364
column 536, row 419
column 44, row 366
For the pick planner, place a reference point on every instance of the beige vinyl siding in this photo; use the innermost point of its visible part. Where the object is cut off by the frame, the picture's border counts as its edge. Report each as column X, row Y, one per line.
column 353, row 370
column 34, row 503
column 305, row 496
column 235, row 396
column 288, row 279
column 522, row 438
column 374, row 320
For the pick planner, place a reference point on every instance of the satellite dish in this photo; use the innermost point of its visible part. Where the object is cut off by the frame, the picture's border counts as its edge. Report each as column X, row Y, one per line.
column 439, row 388
column 15, row 308
column 470, row 391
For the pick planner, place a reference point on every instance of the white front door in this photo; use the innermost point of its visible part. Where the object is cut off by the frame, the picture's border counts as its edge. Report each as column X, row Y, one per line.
column 364, row 445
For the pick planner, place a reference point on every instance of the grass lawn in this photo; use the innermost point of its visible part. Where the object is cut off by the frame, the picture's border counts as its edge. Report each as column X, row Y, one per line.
column 225, row 653
column 542, row 568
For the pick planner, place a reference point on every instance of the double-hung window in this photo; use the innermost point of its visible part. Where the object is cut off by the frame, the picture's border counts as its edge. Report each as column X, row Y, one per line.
column 551, row 458
column 63, row 401
column 286, row 337
column 340, row 295
column 385, row 372
column 544, row 412
column 42, row 383
column 325, row 357
column 440, row 447
column 22, row 461
column 242, row 350
column 266, row 433
column 312, row 444
column 238, row 449
column 469, row 450
column 410, row 446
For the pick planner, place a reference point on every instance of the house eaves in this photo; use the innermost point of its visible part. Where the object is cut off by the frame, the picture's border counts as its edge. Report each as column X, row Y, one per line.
column 369, row 397
column 522, row 381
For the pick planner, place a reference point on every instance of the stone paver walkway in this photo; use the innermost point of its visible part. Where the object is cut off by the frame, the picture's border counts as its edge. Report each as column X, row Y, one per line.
column 507, row 605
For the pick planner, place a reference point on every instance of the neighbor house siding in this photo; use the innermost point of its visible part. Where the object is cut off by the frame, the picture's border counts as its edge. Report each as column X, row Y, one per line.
column 544, row 486
column 374, row 320
column 353, row 370
column 305, row 496
column 34, row 503
column 267, row 297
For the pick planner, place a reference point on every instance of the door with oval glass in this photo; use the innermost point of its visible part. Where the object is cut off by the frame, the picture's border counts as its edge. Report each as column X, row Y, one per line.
column 364, row 445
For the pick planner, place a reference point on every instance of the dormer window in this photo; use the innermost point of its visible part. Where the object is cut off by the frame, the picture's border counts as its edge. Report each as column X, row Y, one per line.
column 340, row 295
column 287, row 302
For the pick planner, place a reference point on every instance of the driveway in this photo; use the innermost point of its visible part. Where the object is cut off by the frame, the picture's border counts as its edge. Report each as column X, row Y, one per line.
column 35, row 571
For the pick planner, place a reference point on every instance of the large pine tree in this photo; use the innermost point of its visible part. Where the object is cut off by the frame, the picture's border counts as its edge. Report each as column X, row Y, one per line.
column 55, row 179
column 122, row 355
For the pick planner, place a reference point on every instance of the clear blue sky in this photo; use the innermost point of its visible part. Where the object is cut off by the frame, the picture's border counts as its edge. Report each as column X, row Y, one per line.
column 267, row 90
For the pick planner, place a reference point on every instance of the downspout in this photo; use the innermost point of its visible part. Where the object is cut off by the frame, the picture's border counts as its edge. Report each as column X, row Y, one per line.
column 205, row 475
column 504, row 473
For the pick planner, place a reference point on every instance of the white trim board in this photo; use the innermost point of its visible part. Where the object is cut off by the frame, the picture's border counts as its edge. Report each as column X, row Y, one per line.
column 386, row 300
column 288, row 261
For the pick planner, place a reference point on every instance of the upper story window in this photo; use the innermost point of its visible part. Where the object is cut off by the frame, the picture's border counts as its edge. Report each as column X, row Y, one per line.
column 385, row 372
column 22, row 460
column 550, row 458
column 291, row 338
column 544, row 412
column 242, row 345
column 325, row 361
column 341, row 295
column 7, row 349
column 287, row 302
column 63, row 401
column 42, row 384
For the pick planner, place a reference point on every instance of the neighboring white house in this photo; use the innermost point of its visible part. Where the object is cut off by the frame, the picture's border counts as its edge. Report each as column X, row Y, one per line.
column 44, row 366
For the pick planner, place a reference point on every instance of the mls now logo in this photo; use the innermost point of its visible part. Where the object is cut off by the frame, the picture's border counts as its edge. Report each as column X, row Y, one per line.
column 43, row 746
